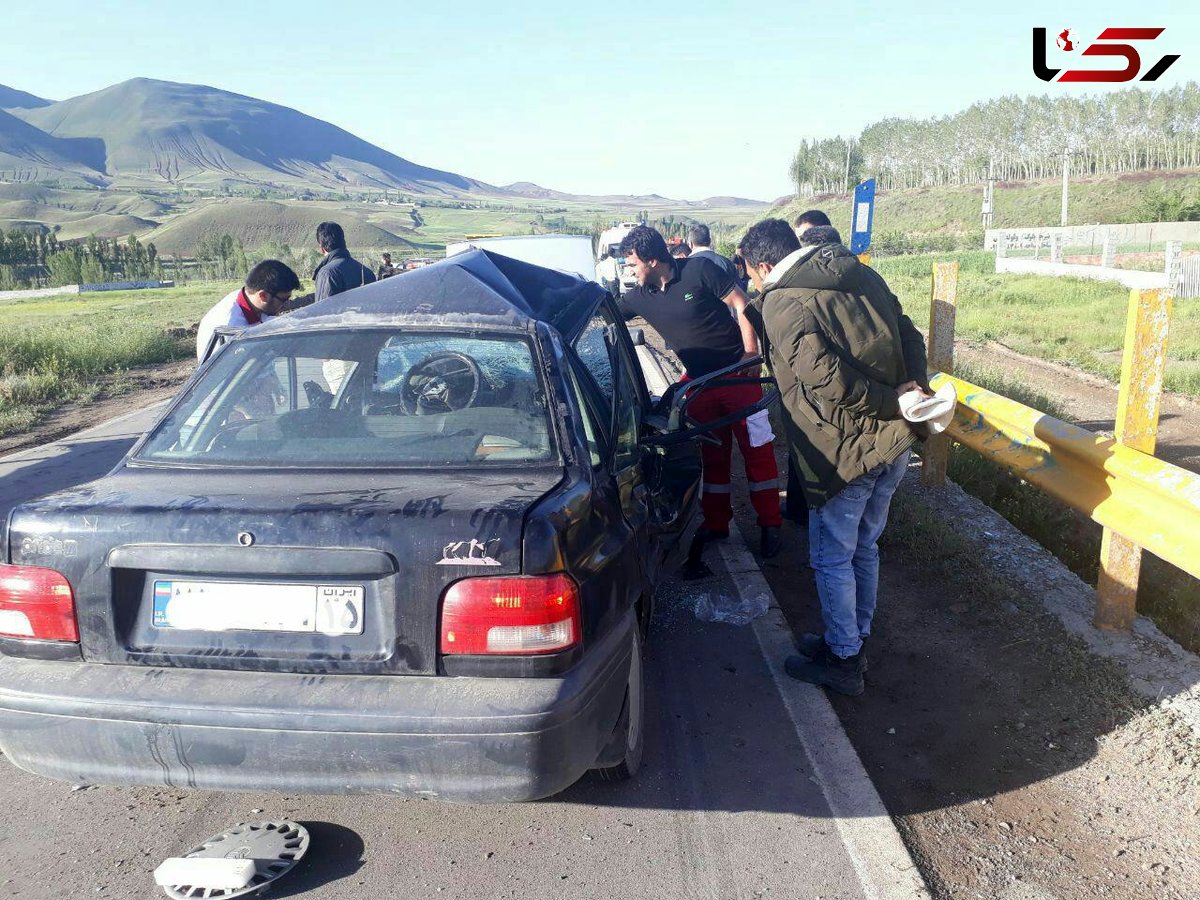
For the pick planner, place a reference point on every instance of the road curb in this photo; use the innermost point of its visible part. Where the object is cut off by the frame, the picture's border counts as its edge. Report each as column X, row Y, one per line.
column 884, row 867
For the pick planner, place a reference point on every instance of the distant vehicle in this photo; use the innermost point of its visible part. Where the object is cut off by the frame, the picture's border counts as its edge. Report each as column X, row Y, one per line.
column 570, row 253
column 610, row 242
column 405, row 540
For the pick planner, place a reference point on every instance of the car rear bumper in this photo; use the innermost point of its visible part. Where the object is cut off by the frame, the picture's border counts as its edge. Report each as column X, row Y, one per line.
column 463, row 739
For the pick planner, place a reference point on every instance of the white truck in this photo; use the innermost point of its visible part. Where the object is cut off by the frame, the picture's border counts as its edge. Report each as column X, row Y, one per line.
column 610, row 243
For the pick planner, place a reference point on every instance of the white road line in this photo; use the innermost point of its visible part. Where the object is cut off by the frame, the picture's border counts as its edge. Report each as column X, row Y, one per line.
column 883, row 864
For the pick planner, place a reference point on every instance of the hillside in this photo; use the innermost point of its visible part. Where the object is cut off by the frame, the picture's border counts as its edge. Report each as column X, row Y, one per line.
column 255, row 222
column 28, row 154
column 159, row 133
column 11, row 98
column 956, row 210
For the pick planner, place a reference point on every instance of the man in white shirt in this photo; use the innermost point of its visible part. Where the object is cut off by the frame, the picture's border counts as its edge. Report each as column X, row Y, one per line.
column 267, row 290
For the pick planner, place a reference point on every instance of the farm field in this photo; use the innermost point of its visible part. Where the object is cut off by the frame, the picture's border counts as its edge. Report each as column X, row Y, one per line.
column 57, row 350
column 1064, row 320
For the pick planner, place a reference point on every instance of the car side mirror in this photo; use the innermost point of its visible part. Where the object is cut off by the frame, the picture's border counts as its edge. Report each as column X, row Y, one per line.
column 638, row 336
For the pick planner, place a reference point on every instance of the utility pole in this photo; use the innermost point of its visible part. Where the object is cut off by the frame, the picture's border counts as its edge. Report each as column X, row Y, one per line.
column 849, row 144
column 1066, row 173
column 987, row 197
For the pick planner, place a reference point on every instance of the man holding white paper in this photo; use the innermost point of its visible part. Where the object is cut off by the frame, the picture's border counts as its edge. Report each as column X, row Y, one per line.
column 844, row 353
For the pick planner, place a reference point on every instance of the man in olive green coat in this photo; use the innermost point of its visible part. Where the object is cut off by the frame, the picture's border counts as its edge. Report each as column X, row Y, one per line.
column 843, row 352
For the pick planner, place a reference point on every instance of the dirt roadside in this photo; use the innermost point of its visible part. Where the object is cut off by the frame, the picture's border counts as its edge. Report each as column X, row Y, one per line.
column 134, row 389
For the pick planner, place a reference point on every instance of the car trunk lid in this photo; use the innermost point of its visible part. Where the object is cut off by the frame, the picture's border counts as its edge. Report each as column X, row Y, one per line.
column 275, row 571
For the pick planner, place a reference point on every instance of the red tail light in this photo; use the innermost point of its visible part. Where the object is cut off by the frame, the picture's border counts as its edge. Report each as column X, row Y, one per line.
column 515, row 615
column 36, row 603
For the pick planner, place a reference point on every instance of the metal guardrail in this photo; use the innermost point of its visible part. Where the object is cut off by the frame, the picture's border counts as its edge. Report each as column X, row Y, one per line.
column 1152, row 503
column 1141, row 502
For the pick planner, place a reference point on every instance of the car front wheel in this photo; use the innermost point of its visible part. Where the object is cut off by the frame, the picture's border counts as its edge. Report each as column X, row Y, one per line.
column 630, row 732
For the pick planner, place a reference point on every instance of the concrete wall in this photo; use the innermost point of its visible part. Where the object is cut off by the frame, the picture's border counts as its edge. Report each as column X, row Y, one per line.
column 126, row 286
column 1150, row 233
column 39, row 292
column 1130, row 278
column 84, row 288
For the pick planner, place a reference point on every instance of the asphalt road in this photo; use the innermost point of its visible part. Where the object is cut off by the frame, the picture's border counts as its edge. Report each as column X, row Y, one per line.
column 733, row 801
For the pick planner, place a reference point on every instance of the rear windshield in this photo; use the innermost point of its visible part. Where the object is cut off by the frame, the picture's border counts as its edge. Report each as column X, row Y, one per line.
column 366, row 398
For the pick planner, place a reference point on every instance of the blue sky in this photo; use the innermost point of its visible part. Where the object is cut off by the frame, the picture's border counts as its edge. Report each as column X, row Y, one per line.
column 683, row 100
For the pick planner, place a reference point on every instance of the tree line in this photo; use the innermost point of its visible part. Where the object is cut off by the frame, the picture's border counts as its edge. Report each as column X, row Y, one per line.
column 33, row 259
column 1016, row 138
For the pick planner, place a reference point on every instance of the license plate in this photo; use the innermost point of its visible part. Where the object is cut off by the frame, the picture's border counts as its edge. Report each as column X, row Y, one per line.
column 225, row 606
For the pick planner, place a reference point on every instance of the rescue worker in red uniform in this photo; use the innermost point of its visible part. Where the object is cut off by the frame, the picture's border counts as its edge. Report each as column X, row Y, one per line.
column 700, row 312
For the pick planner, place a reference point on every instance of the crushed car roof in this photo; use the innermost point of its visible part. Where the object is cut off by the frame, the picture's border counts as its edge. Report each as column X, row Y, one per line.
column 476, row 289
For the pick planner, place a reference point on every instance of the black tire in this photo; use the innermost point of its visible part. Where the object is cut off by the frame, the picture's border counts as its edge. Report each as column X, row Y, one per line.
column 632, row 721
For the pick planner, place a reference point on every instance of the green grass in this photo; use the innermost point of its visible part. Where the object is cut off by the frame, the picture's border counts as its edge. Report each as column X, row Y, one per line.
column 55, row 350
column 1065, row 320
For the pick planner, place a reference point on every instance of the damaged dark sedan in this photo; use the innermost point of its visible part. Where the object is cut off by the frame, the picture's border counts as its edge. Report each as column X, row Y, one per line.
column 403, row 540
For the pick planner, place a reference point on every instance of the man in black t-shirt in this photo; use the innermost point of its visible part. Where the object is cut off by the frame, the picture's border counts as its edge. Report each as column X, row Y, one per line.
column 692, row 303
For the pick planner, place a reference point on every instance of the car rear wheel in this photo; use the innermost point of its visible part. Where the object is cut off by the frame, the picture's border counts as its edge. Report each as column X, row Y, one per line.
column 630, row 730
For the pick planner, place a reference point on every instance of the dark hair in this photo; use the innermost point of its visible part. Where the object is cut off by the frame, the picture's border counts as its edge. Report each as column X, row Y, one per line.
column 812, row 217
column 330, row 236
column 647, row 243
column 272, row 276
column 819, row 234
column 768, row 241
column 387, row 256
column 699, row 236
column 681, row 250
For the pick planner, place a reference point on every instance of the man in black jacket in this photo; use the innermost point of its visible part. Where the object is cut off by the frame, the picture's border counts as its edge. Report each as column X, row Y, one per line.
column 338, row 271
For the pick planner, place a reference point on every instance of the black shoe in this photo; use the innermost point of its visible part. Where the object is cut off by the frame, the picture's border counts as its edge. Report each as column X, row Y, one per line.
column 771, row 542
column 811, row 645
column 827, row 670
column 704, row 535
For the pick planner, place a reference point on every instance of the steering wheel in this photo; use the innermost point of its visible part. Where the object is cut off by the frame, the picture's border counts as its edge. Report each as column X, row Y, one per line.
column 227, row 434
column 441, row 382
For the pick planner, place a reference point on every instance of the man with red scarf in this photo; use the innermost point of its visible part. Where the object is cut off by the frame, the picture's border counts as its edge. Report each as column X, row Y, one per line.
column 267, row 289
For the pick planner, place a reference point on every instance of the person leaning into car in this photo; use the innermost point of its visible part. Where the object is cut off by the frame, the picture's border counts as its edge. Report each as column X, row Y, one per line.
column 688, row 302
column 843, row 352
column 265, row 293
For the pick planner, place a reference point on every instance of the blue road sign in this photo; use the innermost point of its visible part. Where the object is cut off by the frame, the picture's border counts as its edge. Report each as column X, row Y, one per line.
column 862, row 216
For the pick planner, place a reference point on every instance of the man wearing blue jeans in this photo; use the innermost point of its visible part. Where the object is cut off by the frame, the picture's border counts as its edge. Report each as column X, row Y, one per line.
column 843, row 352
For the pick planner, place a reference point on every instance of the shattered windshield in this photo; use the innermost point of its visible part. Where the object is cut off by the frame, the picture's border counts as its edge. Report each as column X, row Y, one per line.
column 369, row 398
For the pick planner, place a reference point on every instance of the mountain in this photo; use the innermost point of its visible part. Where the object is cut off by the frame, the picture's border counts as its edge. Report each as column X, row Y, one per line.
column 161, row 132
column 650, row 201
column 29, row 154
column 11, row 98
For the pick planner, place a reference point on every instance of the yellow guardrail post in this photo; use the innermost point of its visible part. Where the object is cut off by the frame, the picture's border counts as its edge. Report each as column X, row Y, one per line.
column 1142, row 368
column 942, row 308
